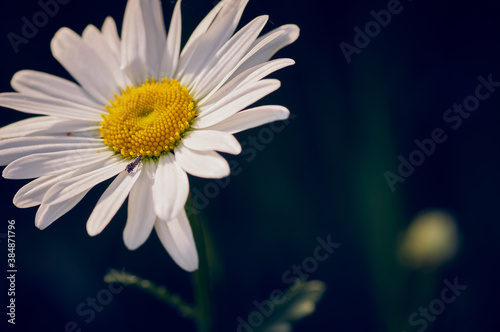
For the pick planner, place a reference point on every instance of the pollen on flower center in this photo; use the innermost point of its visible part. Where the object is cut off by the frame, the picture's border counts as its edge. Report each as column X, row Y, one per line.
column 149, row 119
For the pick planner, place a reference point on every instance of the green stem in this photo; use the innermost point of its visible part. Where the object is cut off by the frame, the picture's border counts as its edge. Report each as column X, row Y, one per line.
column 201, row 280
column 160, row 292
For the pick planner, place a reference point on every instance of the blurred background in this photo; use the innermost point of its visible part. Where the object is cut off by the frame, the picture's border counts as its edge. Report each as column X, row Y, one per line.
column 415, row 223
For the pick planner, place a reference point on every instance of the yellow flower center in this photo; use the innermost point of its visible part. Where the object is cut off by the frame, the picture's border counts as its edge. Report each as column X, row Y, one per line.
column 149, row 119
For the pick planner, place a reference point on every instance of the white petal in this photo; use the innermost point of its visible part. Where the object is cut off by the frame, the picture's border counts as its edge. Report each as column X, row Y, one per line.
column 225, row 60
column 8, row 156
column 251, row 118
column 171, row 188
column 234, row 102
column 82, row 180
column 88, row 133
column 47, row 214
column 51, row 163
column 32, row 193
column 209, row 140
column 249, row 76
column 200, row 30
column 204, row 164
column 216, row 85
column 177, row 237
column 204, row 48
column 110, row 34
column 110, row 201
column 173, row 45
column 35, row 83
column 95, row 40
column 84, row 65
column 46, row 105
column 290, row 33
column 134, row 44
column 14, row 148
column 70, row 141
column 155, row 35
column 42, row 125
column 141, row 213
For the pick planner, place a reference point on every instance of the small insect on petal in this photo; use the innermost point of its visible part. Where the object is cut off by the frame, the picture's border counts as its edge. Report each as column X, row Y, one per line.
column 130, row 167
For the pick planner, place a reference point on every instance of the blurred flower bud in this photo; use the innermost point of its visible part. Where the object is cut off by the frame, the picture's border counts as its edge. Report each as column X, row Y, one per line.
column 430, row 240
column 301, row 301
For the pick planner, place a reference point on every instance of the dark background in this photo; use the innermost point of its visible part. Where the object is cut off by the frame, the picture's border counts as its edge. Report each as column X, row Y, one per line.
column 322, row 175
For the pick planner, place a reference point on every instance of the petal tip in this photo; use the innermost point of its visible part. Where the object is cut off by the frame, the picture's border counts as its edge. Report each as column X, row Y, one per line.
column 190, row 263
column 92, row 231
column 131, row 245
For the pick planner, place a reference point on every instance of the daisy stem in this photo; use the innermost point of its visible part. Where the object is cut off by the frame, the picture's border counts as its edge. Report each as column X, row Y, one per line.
column 201, row 280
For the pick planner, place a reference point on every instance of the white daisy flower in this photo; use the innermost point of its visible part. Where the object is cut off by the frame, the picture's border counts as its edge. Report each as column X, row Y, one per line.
column 143, row 111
